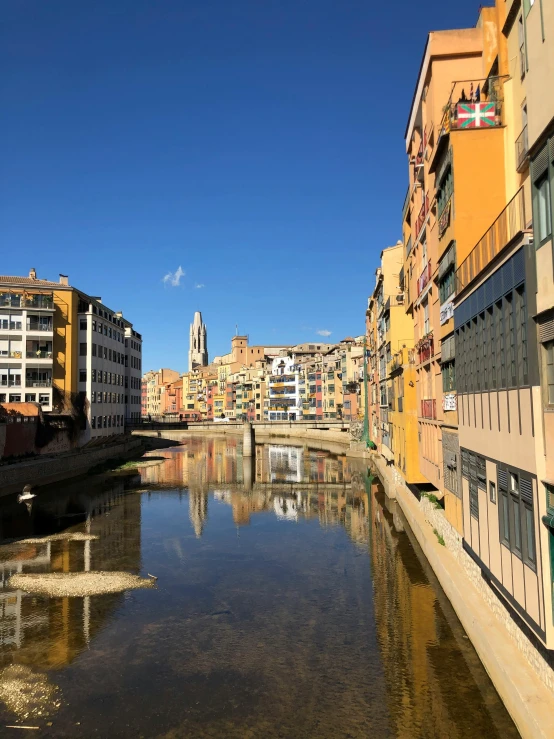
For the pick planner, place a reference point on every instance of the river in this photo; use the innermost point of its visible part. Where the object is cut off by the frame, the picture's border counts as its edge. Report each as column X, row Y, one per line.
column 291, row 601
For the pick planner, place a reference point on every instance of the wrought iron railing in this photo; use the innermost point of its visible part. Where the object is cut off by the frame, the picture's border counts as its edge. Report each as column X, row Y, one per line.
column 423, row 279
column 522, row 149
column 506, row 227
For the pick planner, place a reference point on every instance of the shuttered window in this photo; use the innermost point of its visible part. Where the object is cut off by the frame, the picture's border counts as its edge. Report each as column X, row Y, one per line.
column 516, row 513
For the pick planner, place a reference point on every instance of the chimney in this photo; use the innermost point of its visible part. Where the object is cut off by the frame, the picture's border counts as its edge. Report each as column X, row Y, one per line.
column 32, row 274
column 64, row 280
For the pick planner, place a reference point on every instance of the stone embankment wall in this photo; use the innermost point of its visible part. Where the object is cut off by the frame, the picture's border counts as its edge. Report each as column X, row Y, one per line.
column 46, row 470
column 517, row 664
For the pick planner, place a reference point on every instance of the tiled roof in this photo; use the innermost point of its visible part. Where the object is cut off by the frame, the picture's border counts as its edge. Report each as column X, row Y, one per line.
column 28, row 281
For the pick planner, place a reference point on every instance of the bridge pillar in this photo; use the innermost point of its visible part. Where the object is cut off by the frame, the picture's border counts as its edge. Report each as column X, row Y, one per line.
column 248, row 440
column 248, row 473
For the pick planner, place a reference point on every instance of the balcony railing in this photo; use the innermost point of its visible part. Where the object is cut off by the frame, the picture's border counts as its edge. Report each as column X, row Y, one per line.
column 425, row 351
column 406, row 204
column 474, row 104
column 422, row 215
column 11, row 354
column 34, row 326
column 38, row 354
column 507, row 226
column 522, row 150
column 429, row 409
column 423, row 279
column 30, row 382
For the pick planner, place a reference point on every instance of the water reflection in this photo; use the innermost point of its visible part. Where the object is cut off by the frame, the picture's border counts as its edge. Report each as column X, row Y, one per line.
column 290, row 602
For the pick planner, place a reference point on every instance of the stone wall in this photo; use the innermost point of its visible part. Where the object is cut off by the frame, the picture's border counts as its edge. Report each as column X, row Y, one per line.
column 452, row 477
column 45, row 470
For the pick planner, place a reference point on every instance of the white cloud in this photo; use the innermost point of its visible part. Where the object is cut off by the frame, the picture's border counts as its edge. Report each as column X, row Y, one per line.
column 324, row 332
column 199, row 285
column 173, row 279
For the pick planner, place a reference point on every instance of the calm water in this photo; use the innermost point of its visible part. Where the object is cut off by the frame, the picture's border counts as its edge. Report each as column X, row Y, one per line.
column 290, row 602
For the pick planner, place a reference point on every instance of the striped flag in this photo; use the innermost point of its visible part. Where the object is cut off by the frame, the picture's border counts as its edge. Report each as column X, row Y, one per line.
column 476, row 115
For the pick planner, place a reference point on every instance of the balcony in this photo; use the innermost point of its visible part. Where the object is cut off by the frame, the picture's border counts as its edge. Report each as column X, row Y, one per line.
column 522, row 150
column 429, row 409
column 422, row 215
column 425, row 350
column 11, row 354
column 473, row 104
column 509, row 224
column 26, row 300
column 424, row 278
column 39, row 326
column 406, row 206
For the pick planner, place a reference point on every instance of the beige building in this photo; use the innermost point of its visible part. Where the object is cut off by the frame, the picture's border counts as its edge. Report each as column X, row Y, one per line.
column 154, row 385
column 504, row 327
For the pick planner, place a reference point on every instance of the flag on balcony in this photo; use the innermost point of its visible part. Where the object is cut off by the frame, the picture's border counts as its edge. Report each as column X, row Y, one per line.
column 476, row 115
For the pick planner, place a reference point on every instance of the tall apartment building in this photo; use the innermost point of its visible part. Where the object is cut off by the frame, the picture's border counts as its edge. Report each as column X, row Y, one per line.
column 504, row 323
column 455, row 144
column 391, row 372
column 27, row 310
column 67, row 351
column 109, row 367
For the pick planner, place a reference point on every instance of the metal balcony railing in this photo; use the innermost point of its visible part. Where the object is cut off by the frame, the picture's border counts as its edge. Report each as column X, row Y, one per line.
column 38, row 354
column 33, row 326
column 422, row 215
column 425, row 351
column 423, row 279
column 522, row 150
column 509, row 224
column 474, row 104
column 429, row 409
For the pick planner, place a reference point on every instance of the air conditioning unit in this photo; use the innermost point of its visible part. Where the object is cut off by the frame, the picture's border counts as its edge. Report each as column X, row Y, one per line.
column 400, row 298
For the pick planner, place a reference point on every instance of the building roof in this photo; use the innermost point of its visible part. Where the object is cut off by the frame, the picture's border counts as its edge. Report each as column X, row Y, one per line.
column 29, row 281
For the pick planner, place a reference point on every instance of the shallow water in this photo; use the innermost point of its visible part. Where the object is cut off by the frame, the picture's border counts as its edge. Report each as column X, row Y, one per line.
column 290, row 602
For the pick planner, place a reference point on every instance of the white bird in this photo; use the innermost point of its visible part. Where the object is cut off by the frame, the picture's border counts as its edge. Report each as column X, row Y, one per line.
column 26, row 495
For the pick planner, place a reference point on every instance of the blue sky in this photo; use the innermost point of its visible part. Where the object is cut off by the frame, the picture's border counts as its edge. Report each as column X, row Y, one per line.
column 255, row 146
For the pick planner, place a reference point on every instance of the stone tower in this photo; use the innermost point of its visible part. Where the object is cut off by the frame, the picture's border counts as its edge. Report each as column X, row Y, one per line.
column 198, row 349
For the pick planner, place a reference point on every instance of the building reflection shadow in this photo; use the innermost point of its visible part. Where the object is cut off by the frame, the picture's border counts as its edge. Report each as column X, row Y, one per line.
column 50, row 632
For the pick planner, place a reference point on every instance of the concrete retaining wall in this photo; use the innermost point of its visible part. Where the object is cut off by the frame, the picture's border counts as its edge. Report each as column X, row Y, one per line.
column 46, row 470
column 519, row 672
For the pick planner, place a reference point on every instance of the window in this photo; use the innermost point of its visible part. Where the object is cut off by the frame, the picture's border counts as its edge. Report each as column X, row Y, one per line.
column 94, row 325
column 93, row 396
column 31, row 398
column 83, row 324
column 15, row 398
column 82, row 375
column 93, row 422
column 44, row 399
column 548, row 350
column 544, row 208
column 83, row 350
column 93, row 350
column 492, row 491
column 517, row 525
column 93, row 375
column 447, row 285
column 426, row 317
column 448, row 377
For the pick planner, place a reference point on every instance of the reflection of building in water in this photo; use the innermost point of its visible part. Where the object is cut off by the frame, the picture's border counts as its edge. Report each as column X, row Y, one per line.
column 285, row 463
column 417, row 642
column 289, row 507
column 198, row 510
column 52, row 632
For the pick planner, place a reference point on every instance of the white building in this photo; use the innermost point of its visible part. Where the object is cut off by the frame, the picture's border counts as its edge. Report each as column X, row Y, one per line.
column 26, row 340
column 284, row 398
column 109, row 368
